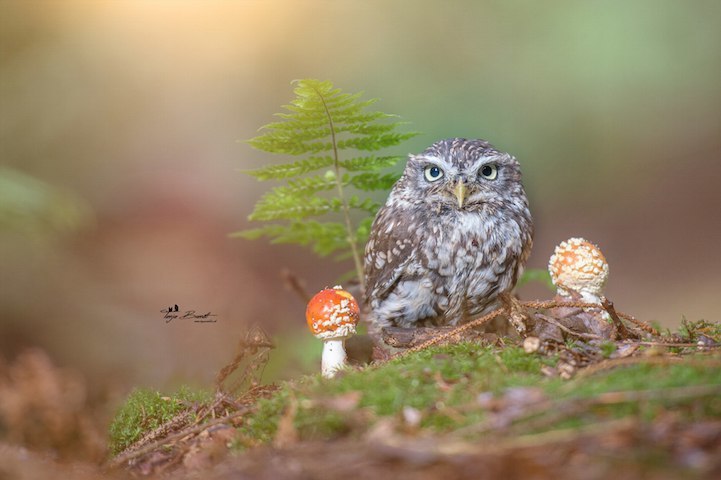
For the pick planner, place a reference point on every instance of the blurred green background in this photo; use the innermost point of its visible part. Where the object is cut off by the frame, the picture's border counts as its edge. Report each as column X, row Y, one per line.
column 120, row 124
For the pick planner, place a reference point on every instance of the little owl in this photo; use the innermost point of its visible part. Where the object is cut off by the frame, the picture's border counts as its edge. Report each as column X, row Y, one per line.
column 453, row 235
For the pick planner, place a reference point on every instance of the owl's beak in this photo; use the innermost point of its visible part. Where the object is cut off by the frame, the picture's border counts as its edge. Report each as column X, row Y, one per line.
column 460, row 192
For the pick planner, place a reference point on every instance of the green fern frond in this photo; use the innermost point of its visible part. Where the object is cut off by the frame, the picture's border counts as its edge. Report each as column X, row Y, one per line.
column 372, row 181
column 308, row 185
column 368, row 164
column 366, row 129
column 373, row 142
column 274, row 206
column 324, row 237
column 287, row 170
column 285, row 205
column 321, row 118
column 295, row 130
column 364, row 204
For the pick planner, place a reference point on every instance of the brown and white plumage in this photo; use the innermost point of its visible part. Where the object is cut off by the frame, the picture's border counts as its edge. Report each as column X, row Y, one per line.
column 453, row 235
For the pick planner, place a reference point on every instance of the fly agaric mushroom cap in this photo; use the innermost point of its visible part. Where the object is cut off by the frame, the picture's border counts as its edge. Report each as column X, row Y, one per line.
column 578, row 265
column 332, row 313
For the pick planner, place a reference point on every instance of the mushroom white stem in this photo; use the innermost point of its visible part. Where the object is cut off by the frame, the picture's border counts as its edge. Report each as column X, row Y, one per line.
column 590, row 297
column 333, row 356
column 594, row 296
column 586, row 295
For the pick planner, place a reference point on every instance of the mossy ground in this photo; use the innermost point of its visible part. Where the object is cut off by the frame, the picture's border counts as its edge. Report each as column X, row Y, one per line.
column 478, row 395
column 146, row 410
column 446, row 386
column 437, row 377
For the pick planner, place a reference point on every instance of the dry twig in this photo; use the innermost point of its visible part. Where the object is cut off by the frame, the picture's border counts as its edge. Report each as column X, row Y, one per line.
column 455, row 333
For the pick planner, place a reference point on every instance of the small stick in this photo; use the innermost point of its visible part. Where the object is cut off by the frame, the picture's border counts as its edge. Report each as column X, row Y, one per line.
column 620, row 327
column 399, row 337
column 455, row 332
column 642, row 325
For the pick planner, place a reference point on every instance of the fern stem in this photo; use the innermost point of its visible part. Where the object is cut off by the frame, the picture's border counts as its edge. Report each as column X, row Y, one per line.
column 346, row 210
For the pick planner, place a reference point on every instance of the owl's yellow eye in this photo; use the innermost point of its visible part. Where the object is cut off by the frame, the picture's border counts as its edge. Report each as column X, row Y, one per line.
column 489, row 172
column 432, row 173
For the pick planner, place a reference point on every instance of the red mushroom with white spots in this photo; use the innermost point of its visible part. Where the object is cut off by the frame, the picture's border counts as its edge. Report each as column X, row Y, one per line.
column 332, row 315
column 578, row 265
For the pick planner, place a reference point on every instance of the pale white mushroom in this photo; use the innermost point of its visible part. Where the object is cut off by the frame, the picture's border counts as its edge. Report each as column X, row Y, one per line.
column 332, row 315
column 578, row 265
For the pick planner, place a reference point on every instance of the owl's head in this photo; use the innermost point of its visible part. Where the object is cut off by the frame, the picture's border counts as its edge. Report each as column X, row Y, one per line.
column 462, row 174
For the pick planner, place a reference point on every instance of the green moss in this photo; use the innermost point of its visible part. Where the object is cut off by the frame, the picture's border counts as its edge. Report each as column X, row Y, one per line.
column 647, row 385
column 431, row 381
column 261, row 427
column 145, row 410
column 443, row 383
column 645, row 376
column 607, row 348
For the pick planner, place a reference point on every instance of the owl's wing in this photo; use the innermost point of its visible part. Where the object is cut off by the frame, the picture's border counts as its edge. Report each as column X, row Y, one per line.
column 389, row 253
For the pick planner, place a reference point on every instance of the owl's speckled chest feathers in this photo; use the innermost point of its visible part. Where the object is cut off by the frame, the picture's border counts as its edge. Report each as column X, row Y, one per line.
column 469, row 276
column 461, row 261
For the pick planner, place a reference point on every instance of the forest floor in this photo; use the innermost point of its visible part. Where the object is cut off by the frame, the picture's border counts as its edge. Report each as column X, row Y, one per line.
column 644, row 405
